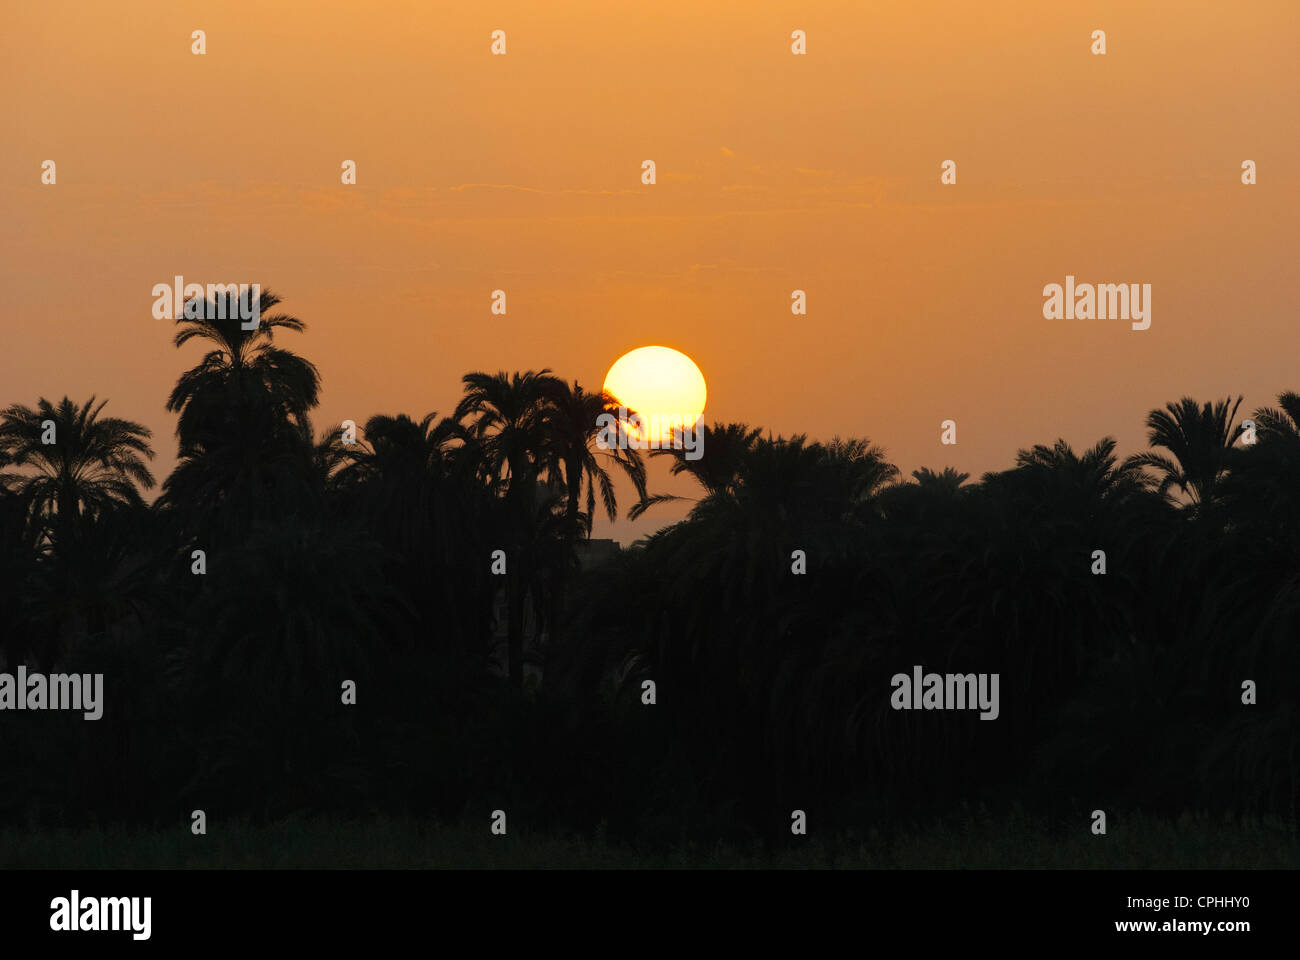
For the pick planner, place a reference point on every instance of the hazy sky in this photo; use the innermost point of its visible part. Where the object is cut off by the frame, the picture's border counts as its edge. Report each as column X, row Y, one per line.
column 775, row 172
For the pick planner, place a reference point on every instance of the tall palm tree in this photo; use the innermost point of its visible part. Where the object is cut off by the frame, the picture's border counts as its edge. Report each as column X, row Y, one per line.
column 92, row 463
column 246, row 447
column 241, row 364
column 508, row 416
column 508, row 420
column 1198, row 439
column 574, row 455
column 251, row 469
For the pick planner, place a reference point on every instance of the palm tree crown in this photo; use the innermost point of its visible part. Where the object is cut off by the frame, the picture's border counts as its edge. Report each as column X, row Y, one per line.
column 572, row 455
column 91, row 463
column 1198, row 439
column 244, row 365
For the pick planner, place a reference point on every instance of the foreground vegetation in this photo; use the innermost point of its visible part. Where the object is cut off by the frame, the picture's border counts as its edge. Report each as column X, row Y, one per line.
column 1141, row 615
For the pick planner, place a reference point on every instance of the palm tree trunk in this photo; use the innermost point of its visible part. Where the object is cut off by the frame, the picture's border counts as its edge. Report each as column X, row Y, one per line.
column 573, row 480
column 515, row 626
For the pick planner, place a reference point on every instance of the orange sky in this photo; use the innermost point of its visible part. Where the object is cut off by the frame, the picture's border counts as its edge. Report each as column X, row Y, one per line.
column 775, row 172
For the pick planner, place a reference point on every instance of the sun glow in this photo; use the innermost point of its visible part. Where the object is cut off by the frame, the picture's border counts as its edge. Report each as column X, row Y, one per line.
column 661, row 384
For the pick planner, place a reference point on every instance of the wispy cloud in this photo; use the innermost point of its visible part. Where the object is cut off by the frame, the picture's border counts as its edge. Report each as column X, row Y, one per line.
column 494, row 186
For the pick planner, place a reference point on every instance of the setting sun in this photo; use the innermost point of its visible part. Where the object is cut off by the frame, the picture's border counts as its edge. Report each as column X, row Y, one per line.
column 661, row 384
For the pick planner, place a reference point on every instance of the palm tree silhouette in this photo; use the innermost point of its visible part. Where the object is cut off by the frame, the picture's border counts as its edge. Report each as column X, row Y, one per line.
column 508, row 421
column 1259, row 492
column 573, row 455
column 1198, row 439
column 92, row 463
column 243, row 364
column 719, row 472
column 419, row 489
column 571, row 423
column 949, row 479
column 369, row 561
column 1282, row 420
column 401, row 461
column 1096, row 476
column 246, row 452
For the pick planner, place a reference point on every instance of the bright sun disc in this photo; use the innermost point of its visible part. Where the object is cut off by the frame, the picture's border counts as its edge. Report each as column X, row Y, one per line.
column 663, row 385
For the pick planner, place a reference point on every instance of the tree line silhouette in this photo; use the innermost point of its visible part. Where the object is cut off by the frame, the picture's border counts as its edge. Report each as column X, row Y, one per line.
column 329, row 561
